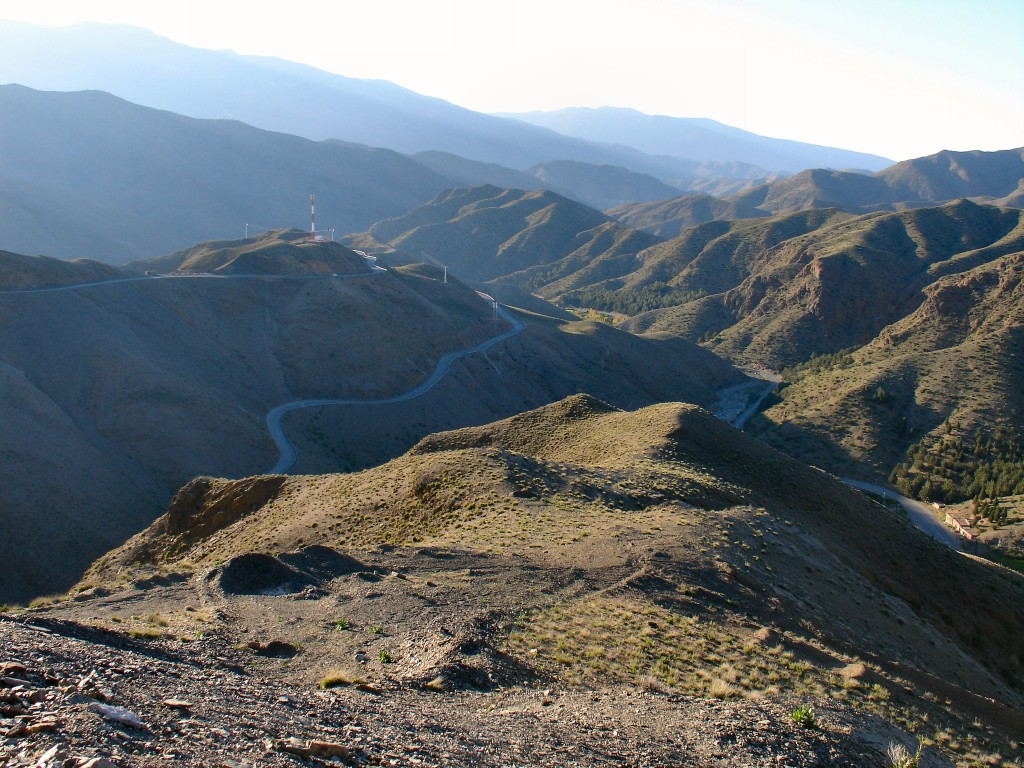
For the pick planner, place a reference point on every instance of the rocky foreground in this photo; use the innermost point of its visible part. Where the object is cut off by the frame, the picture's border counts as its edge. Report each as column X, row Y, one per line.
column 76, row 696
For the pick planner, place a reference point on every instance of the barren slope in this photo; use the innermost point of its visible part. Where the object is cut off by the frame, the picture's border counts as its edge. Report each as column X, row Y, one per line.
column 583, row 548
column 279, row 252
column 483, row 233
column 121, row 392
column 957, row 358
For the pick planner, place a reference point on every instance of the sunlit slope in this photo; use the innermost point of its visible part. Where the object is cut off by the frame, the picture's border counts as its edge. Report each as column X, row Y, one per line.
column 696, row 560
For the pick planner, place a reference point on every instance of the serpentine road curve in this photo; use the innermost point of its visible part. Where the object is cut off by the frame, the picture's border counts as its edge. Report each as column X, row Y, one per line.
column 287, row 452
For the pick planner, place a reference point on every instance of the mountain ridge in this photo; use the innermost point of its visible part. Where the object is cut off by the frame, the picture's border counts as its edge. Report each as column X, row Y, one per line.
column 209, row 177
column 696, row 139
column 180, row 372
column 286, row 96
column 583, row 526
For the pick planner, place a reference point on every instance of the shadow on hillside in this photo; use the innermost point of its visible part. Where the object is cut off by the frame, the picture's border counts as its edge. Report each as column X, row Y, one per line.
column 809, row 447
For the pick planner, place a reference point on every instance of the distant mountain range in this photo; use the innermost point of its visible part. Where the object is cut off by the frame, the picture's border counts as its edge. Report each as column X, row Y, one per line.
column 87, row 174
column 696, row 139
column 991, row 177
column 277, row 95
column 542, row 242
column 599, row 186
column 994, row 177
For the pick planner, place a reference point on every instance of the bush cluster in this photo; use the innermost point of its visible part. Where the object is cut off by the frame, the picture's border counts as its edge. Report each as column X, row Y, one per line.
column 952, row 468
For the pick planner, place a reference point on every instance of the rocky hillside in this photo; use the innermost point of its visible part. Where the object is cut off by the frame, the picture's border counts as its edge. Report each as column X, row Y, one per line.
column 484, row 233
column 577, row 554
column 953, row 365
column 836, row 285
column 926, row 297
column 279, row 252
column 117, row 393
column 986, row 176
column 112, row 701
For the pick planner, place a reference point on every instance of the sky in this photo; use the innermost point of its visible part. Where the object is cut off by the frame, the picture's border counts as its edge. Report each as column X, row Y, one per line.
column 897, row 78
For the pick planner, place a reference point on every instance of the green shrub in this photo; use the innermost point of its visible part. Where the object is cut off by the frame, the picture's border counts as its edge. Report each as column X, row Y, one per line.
column 804, row 716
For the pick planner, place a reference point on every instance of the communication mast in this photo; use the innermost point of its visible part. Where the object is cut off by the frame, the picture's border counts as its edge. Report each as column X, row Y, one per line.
column 312, row 218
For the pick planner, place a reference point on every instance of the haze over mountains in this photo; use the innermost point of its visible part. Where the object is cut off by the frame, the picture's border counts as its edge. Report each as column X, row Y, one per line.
column 87, row 174
column 990, row 177
column 282, row 96
column 703, row 139
column 457, row 504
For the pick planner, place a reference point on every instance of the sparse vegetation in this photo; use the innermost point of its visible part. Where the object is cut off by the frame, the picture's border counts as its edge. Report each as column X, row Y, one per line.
column 804, row 716
column 820, row 363
column 46, row 600
column 901, row 757
column 629, row 300
column 146, row 633
column 338, row 678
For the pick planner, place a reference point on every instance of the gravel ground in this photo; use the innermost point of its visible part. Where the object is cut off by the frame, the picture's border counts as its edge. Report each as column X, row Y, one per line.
column 78, row 697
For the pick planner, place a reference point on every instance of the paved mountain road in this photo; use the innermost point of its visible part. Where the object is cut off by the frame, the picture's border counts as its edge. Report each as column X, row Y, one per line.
column 738, row 403
column 286, row 450
column 921, row 514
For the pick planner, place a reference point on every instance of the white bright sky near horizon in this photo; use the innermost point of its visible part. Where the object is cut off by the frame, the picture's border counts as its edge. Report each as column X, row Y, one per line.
column 898, row 78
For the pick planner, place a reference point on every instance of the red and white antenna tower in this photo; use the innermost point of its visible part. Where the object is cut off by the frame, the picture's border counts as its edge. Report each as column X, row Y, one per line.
column 312, row 218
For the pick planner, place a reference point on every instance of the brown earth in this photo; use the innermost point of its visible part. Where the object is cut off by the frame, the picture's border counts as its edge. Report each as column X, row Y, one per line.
column 21, row 273
column 582, row 549
column 117, row 394
column 957, row 359
column 280, row 252
column 231, row 710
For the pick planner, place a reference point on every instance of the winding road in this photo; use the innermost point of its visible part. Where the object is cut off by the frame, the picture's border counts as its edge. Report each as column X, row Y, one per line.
column 735, row 403
column 921, row 514
column 287, row 454
column 736, row 406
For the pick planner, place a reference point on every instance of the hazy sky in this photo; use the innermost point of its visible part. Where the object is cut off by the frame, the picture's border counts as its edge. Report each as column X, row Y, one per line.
column 900, row 78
